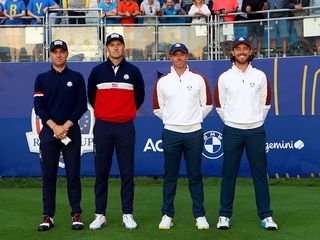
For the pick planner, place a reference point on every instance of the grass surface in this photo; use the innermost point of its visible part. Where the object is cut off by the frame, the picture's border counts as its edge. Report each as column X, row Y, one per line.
column 295, row 203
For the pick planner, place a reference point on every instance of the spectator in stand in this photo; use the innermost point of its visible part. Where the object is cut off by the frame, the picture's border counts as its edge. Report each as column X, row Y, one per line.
column 37, row 9
column 172, row 33
column 149, row 8
column 316, row 11
column 278, row 27
column 108, row 9
column 171, row 8
column 298, row 6
column 201, row 10
column 14, row 10
column 255, row 29
column 128, row 10
column 73, row 4
column 225, row 7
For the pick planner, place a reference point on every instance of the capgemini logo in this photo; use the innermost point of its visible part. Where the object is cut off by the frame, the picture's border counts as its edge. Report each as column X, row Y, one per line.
column 86, row 124
column 283, row 145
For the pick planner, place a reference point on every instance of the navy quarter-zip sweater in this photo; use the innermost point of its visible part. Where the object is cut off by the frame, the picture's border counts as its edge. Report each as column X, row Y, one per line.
column 60, row 96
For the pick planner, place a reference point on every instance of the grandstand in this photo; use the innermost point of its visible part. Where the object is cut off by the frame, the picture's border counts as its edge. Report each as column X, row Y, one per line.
column 86, row 41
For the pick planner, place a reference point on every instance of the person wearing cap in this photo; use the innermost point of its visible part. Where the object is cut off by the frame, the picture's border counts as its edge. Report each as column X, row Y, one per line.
column 116, row 92
column 60, row 101
column 182, row 99
column 242, row 98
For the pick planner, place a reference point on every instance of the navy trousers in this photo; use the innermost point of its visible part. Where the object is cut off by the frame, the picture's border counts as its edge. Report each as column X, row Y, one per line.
column 190, row 145
column 234, row 142
column 107, row 137
column 49, row 158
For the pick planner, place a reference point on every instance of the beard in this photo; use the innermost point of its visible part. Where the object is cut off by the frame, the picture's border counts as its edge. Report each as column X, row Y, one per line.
column 242, row 59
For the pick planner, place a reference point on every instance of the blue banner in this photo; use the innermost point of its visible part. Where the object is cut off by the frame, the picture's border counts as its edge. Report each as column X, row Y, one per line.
column 292, row 125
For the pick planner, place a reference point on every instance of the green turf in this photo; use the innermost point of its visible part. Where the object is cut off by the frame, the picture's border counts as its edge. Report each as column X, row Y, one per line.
column 296, row 210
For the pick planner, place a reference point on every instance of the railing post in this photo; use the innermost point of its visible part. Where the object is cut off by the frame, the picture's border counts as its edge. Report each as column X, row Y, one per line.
column 268, row 38
column 46, row 32
column 101, row 30
column 156, row 32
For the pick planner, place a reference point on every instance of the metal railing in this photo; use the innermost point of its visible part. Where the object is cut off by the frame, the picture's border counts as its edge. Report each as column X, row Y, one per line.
column 299, row 36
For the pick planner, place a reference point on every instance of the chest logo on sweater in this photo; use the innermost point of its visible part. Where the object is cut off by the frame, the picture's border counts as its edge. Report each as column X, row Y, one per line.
column 252, row 84
column 126, row 76
column 69, row 84
column 189, row 87
column 212, row 145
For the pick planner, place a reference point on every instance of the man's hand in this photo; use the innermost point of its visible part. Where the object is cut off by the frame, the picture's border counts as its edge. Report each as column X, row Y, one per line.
column 60, row 132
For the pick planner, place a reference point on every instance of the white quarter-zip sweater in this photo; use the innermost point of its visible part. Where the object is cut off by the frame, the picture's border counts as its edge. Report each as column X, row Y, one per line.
column 182, row 102
column 243, row 99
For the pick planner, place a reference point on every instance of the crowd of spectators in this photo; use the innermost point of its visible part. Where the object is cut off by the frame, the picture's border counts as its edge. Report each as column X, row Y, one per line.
column 174, row 12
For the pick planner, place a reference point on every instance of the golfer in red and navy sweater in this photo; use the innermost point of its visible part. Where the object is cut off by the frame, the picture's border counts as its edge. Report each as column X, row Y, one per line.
column 116, row 91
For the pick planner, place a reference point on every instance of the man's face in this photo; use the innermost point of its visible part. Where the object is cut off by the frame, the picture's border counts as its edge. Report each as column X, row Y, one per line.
column 115, row 49
column 242, row 53
column 179, row 59
column 59, row 57
column 169, row 3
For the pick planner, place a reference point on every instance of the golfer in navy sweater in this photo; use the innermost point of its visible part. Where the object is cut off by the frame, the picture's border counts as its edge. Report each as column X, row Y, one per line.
column 60, row 101
column 116, row 91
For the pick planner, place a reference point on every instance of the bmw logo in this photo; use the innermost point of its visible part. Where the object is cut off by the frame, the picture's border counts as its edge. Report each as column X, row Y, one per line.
column 212, row 145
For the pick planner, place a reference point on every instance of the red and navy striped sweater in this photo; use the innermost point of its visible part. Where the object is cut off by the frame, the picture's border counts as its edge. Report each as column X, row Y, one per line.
column 115, row 96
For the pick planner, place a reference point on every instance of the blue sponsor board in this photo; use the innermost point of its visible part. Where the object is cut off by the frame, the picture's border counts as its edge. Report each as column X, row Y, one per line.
column 292, row 125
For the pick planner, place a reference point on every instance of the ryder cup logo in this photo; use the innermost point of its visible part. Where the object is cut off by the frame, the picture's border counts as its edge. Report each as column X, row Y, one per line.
column 86, row 124
column 212, row 145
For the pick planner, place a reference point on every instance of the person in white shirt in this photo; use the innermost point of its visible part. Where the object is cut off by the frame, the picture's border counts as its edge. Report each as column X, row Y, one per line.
column 243, row 97
column 150, row 8
column 198, row 42
column 182, row 99
column 201, row 10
